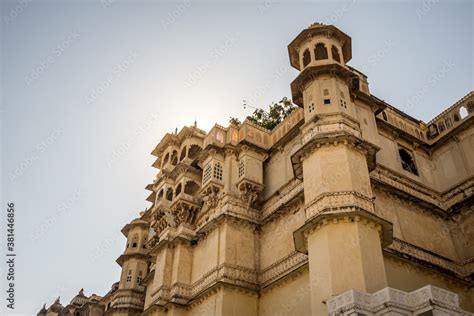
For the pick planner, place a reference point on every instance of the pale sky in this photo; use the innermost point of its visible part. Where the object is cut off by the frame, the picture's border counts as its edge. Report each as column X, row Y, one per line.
column 88, row 88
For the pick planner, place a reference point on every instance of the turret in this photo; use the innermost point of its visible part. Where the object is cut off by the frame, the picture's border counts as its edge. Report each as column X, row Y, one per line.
column 133, row 260
column 334, row 160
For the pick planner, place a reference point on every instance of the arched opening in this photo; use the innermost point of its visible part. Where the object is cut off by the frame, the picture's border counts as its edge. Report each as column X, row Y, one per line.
column 470, row 107
column 463, row 112
column 178, row 189
column 169, row 194
column 456, row 117
column 320, row 51
column 408, row 163
column 306, row 57
column 174, row 158
column 432, row 131
column 160, row 194
column 140, row 278
column 191, row 188
column 448, row 122
column 165, row 160
column 193, row 151
column 441, row 127
column 183, row 154
column 335, row 54
column 384, row 115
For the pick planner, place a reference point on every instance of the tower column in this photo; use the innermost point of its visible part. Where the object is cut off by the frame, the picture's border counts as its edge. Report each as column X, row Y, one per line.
column 342, row 235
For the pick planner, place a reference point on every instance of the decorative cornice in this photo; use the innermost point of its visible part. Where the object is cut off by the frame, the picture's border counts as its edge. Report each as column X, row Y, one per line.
column 349, row 214
column 281, row 268
column 338, row 200
column 429, row 259
column 443, row 202
column 282, row 199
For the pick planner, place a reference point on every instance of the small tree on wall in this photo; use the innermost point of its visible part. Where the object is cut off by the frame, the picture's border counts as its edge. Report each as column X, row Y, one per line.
column 277, row 112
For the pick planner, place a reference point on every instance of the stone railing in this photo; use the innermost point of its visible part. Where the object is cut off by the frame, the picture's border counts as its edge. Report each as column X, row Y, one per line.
column 282, row 267
column 390, row 301
column 284, row 127
column 392, row 117
column 285, row 196
column 451, row 117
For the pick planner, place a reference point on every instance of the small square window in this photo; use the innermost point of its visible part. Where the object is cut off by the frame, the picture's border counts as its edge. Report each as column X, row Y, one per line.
column 327, row 101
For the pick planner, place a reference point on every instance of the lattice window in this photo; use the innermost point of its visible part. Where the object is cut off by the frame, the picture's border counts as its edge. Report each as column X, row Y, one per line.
column 207, row 173
column 218, row 171
column 241, row 168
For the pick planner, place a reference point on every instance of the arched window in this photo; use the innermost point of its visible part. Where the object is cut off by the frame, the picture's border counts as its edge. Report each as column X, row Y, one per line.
column 169, row 194
column 193, row 151
column 218, row 171
column 463, row 112
column 335, row 54
column 441, row 127
column 408, row 163
column 432, row 131
column 183, row 154
column 448, row 122
column 470, row 106
column 178, row 190
column 160, row 194
column 384, row 115
column 134, row 241
column 320, row 51
column 139, row 278
column 191, row 188
column 456, row 117
column 167, row 157
column 174, row 158
column 306, row 57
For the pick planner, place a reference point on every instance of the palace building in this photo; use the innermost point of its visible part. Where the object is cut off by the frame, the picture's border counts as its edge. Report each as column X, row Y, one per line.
column 348, row 207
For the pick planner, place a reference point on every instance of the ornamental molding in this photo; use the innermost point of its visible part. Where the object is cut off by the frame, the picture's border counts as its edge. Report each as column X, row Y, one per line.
column 406, row 187
column 129, row 299
column 390, row 300
column 401, row 183
column 349, row 214
column 281, row 200
column 225, row 273
column 407, row 251
column 230, row 208
column 281, row 268
column 338, row 200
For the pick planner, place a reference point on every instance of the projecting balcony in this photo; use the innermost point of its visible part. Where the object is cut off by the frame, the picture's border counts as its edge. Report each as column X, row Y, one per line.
column 183, row 197
column 162, row 203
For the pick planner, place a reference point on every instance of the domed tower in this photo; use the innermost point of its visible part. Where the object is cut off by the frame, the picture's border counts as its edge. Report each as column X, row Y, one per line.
column 334, row 160
column 130, row 295
column 55, row 309
column 320, row 53
column 43, row 311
